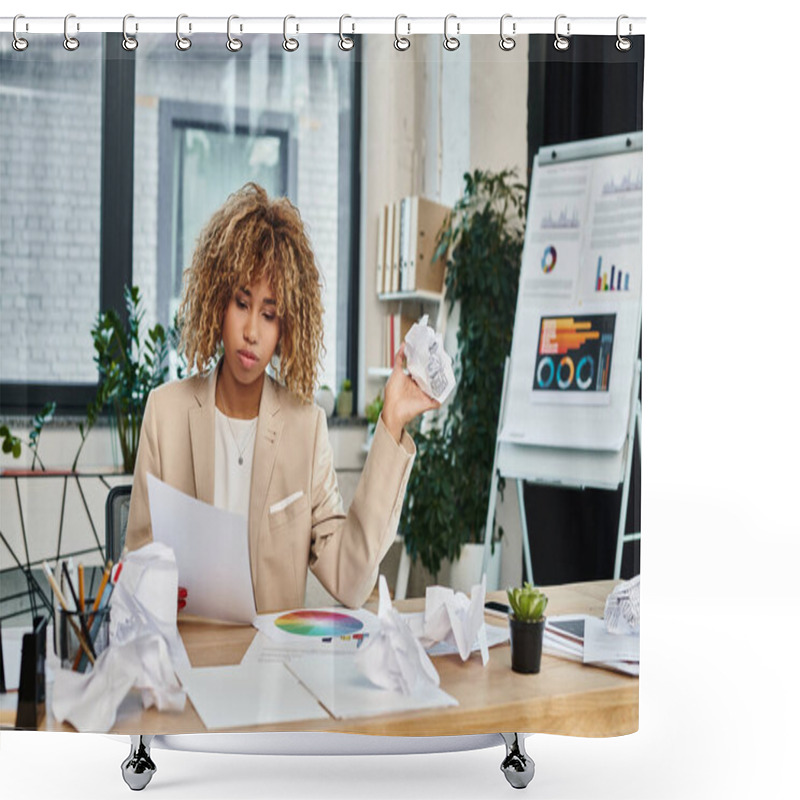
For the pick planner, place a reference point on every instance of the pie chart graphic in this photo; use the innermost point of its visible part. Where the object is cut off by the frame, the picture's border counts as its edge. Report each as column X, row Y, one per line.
column 318, row 623
column 548, row 259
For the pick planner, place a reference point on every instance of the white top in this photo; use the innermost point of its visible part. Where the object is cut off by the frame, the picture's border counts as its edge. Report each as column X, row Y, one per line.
column 234, row 441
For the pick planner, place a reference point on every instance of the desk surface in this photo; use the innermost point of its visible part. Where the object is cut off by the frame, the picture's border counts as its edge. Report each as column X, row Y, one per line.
column 566, row 697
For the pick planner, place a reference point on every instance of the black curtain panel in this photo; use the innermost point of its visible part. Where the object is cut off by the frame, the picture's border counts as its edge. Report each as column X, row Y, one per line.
column 588, row 91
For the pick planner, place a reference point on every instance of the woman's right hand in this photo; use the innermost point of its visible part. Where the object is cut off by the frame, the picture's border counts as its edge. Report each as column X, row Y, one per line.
column 182, row 595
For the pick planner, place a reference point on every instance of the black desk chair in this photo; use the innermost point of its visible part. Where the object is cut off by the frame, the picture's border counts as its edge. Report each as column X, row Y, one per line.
column 117, row 505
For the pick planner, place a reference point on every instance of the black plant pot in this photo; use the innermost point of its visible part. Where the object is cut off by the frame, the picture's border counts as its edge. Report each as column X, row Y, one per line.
column 526, row 645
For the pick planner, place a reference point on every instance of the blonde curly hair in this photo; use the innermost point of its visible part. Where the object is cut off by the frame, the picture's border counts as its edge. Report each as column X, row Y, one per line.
column 250, row 237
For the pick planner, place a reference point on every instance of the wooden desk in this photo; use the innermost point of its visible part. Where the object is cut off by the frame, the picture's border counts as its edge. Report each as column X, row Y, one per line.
column 566, row 697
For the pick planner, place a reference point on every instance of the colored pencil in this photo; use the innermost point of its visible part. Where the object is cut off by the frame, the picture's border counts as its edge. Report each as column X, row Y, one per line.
column 81, row 589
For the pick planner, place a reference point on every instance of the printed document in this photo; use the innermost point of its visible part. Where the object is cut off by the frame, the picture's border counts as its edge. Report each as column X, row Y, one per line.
column 211, row 550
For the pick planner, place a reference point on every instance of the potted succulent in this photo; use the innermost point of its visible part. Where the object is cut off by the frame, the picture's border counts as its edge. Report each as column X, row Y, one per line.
column 526, row 626
column 373, row 413
column 325, row 399
column 344, row 402
column 483, row 238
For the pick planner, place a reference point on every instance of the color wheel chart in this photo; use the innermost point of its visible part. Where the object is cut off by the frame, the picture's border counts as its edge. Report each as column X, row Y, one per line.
column 321, row 626
column 574, row 353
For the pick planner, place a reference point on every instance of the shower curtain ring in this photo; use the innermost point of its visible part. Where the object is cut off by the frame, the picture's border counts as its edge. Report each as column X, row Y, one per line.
column 181, row 42
column 561, row 42
column 70, row 42
column 451, row 42
column 345, row 42
column 401, row 43
column 623, row 44
column 18, row 43
column 507, row 42
column 128, row 42
column 289, row 45
column 233, row 44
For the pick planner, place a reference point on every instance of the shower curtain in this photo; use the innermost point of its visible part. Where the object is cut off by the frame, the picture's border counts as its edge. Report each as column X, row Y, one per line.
column 112, row 160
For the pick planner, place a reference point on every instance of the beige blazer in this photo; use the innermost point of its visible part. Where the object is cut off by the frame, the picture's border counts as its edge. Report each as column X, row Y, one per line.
column 292, row 459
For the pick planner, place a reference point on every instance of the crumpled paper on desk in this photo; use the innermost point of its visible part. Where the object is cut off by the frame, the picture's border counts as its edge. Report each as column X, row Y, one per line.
column 454, row 618
column 428, row 362
column 394, row 659
column 622, row 613
column 143, row 646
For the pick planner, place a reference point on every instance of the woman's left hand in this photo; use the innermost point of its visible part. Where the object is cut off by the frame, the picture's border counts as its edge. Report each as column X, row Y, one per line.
column 403, row 399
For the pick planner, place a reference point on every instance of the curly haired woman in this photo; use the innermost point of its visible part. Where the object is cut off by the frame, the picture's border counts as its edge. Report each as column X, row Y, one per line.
column 233, row 436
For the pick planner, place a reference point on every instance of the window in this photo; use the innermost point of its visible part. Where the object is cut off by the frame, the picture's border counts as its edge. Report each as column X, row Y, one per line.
column 50, row 165
column 112, row 161
column 201, row 161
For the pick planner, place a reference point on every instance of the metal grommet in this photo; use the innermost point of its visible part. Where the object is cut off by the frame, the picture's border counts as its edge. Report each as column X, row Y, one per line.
column 181, row 42
column 401, row 43
column 507, row 42
column 561, row 42
column 233, row 44
column 450, row 42
column 128, row 42
column 345, row 42
column 18, row 43
column 289, row 45
column 70, row 42
column 623, row 44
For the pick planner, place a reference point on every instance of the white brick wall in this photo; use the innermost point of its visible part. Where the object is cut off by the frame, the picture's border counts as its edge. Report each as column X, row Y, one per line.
column 49, row 212
column 50, row 116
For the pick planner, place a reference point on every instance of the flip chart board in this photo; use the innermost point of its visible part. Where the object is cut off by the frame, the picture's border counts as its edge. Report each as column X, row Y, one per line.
column 574, row 353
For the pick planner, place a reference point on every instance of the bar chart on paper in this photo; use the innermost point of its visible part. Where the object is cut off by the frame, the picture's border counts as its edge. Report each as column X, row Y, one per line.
column 615, row 280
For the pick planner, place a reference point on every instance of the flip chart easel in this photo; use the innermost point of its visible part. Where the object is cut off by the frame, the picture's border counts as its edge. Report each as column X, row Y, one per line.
column 566, row 463
column 577, row 469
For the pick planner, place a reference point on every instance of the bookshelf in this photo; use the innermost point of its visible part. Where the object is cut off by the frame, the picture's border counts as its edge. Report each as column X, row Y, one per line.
column 408, row 282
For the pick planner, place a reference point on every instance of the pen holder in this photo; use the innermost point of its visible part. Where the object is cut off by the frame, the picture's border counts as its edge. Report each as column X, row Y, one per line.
column 68, row 646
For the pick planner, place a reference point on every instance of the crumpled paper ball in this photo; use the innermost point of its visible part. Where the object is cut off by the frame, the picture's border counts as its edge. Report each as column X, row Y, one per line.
column 394, row 659
column 428, row 362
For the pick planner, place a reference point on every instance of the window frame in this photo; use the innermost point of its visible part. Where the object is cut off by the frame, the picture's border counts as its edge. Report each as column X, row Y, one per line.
column 207, row 116
column 116, row 228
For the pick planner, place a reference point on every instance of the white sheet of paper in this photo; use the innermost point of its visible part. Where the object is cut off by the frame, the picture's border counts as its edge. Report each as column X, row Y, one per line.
column 346, row 693
column 248, row 694
column 600, row 645
column 495, row 634
column 264, row 650
column 211, row 549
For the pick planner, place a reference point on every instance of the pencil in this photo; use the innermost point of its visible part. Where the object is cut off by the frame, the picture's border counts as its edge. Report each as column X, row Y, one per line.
column 103, row 582
column 95, row 624
column 62, row 601
column 99, row 596
column 81, row 593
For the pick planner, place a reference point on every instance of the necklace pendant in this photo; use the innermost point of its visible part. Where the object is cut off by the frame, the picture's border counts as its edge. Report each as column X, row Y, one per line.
column 241, row 461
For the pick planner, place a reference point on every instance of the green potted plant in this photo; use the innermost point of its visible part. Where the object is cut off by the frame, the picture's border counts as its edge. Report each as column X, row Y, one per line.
column 373, row 413
column 344, row 402
column 325, row 399
column 483, row 239
column 13, row 444
column 526, row 626
column 130, row 366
